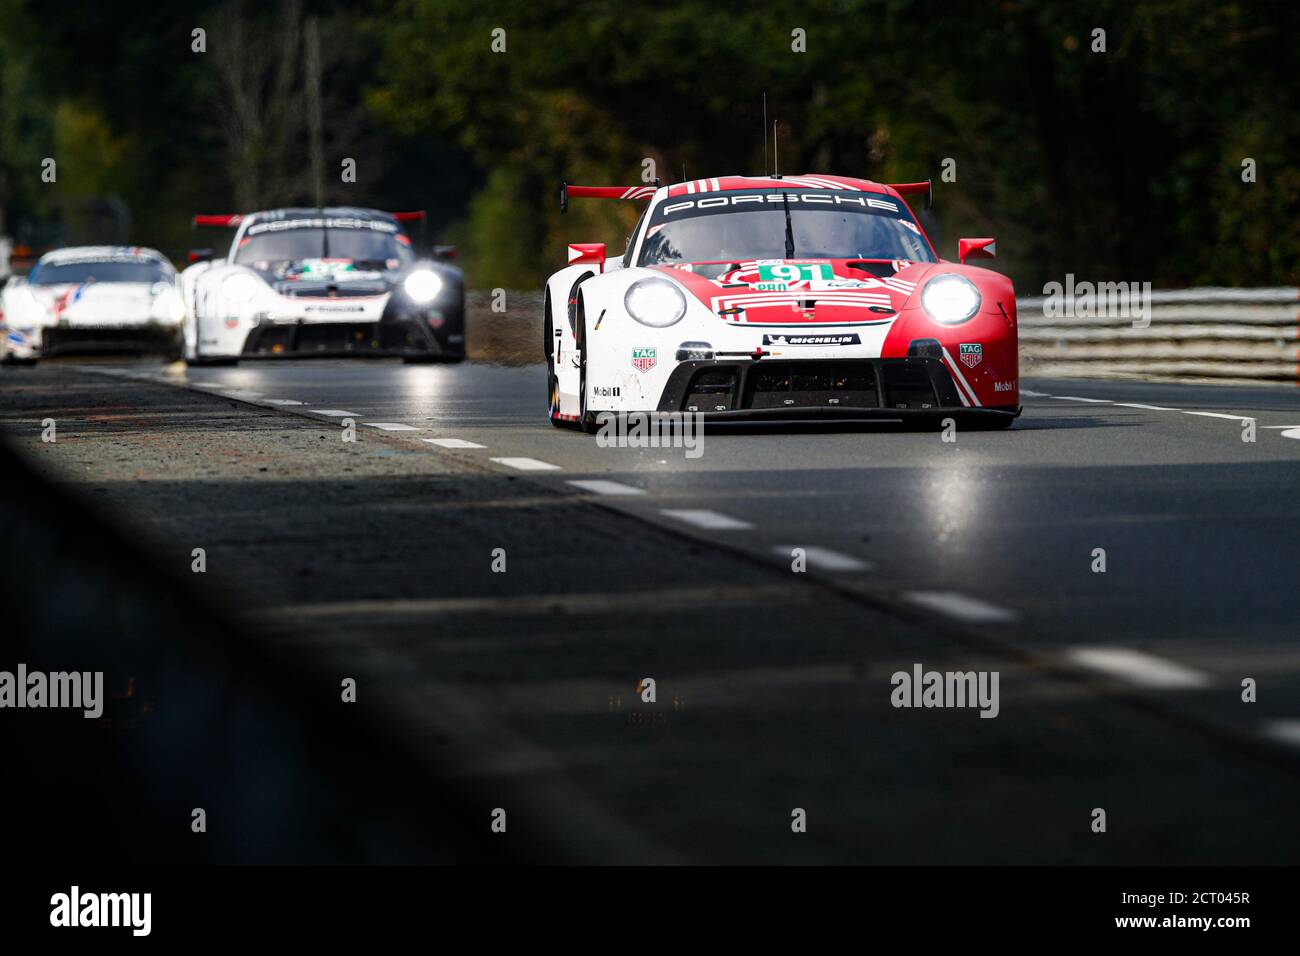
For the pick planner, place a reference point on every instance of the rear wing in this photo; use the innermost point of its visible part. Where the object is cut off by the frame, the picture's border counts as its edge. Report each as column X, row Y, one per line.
column 231, row 220
column 925, row 189
column 604, row 192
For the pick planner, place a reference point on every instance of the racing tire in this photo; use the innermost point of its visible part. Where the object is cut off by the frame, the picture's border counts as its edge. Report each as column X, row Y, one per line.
column 586, row 420
column 225, row 361
column 22, row 362
column 552, row 379
column 553, row 396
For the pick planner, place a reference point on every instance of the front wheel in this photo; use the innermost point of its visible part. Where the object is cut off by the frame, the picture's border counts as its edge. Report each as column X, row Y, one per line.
column 211, row 362
column 586, row 420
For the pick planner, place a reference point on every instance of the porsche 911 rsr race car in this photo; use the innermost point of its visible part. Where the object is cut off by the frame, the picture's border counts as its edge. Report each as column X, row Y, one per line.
column 779, row 298
column 331, row 281
column 92, row 299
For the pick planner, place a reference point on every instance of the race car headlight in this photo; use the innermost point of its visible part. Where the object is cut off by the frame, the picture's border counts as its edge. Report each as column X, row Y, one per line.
column 950, row 299
column 422, row 286
column 655, row 302
column 239, row 287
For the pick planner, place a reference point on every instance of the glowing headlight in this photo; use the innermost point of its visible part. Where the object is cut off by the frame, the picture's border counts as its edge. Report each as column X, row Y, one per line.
column 655, row 302
column 950, row 299
column 239, row 287
column 422, row 286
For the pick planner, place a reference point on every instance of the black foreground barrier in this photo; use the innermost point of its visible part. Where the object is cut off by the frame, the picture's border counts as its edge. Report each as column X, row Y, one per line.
column 195, row 715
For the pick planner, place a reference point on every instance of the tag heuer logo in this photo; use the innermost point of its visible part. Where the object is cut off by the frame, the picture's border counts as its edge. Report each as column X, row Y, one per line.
column 643, row 360
column 971, row 354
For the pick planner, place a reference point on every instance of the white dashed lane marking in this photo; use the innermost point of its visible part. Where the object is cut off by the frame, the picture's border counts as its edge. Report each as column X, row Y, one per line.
column 824, row 559
column 1136, row 667
column 709, row 520
column 334, row 413
column 1283, row 731
column 282, row 401
column 1076, row 398
column 963, row 607
column 1234, row 418
column 452, row 443
column 526, row 464
column 391, row 426
column 1148, row 408
column 601, row 487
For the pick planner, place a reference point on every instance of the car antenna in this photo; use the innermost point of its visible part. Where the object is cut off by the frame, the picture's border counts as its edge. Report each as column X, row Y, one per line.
column 765, row 132
column 775, row 166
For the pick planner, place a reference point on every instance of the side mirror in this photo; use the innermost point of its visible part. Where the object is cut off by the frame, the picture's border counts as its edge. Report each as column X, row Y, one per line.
column 587, row 252
column 199, row 255
column 976, row 249
column 443, row 253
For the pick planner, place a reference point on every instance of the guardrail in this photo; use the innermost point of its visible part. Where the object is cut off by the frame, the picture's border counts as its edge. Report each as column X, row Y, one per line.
column 1247, row 335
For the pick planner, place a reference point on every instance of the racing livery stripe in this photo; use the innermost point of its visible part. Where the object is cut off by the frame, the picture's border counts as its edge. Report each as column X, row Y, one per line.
column 963, row 387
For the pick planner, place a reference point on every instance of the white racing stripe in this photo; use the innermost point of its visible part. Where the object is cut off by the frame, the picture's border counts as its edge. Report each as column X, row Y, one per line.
column 709, row 520
column 391, row 426
column 964, row 391
column 334, row 413
column 526, row 464
column 824, row 559
column 1136, row 667
column 601, row 487
column 452, row 443
column 963, row 607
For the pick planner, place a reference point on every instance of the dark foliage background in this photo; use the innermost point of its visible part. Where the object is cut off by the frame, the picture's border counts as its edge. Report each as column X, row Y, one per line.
column 1125, row 164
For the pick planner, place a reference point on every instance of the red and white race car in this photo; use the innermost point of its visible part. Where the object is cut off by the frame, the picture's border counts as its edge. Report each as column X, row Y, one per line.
column 781, row 298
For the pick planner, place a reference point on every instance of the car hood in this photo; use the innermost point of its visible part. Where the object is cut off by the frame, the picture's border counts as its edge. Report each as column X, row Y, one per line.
column 802, row 291
column 96, row 300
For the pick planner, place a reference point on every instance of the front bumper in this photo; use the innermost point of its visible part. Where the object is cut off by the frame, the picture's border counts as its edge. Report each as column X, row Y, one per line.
column 93, row 339
column 408, row 336
column 910, row 389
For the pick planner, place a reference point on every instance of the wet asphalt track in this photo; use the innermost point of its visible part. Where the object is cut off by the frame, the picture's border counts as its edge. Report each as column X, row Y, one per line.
column 986, row 544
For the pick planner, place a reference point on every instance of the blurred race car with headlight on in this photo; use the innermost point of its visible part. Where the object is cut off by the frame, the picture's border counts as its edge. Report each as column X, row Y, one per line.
column 780, row 298
column 87, row 299
column 323, row 282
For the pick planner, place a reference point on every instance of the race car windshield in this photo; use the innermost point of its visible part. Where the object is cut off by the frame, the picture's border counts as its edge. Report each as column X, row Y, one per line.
column 745, row 225
column 384, row 250
column 119, row 270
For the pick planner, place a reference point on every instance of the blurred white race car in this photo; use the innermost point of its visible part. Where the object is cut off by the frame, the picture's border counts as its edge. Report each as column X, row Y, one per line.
column 92, row 299
column 321, row 282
